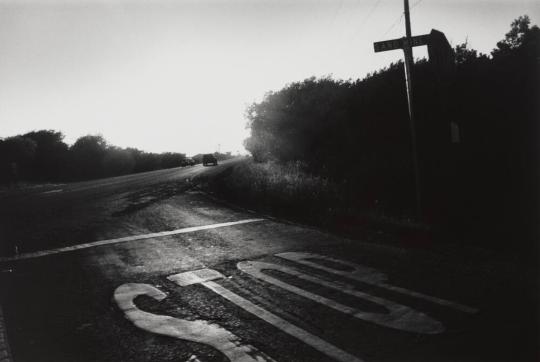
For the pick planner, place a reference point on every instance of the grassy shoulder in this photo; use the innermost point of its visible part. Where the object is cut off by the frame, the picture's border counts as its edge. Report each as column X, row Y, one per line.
column 288, row 191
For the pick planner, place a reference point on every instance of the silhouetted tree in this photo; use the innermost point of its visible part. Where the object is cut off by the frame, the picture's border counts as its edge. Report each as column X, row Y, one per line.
column 16, row 158
column 51, row 155
column 354, row 132
column 169, row 159
column 520, row 34
column 43, row 156
column 117, row 161
column 87, row 154
column 465, row 55
column 147, row 161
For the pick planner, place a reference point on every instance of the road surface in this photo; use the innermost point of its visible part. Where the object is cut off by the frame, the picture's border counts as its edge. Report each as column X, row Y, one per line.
column 148, row 267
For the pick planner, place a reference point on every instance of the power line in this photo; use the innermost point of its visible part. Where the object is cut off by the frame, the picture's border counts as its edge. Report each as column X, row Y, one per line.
column 366, row 18
column 398, row 20
column 416, row 3
column 337, row 11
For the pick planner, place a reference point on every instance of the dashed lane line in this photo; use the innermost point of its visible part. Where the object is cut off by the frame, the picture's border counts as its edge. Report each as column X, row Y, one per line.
column 38, row 254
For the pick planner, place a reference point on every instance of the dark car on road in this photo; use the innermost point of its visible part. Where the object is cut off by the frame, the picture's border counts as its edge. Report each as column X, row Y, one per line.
column 188, row 161
column 209, row 159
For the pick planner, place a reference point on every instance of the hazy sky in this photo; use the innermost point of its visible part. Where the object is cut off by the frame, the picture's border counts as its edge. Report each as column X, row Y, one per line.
column 177, row 75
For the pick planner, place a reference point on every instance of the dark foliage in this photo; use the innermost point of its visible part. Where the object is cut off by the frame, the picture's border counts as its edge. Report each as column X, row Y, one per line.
column 477, row 136
column 49, row 156
column 43, row 156
column 16, row 157
column 87, row 156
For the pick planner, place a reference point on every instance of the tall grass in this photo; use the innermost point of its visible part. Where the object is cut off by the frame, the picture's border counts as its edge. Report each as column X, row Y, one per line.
column 282, row 186
column 290, row 190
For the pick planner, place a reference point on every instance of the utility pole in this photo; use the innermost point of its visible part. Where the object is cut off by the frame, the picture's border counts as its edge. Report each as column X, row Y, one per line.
column 409, row 61
column 442, row 57
column 407, row 43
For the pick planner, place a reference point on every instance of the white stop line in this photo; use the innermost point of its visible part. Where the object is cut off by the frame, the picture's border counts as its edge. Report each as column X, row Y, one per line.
column 66, row 249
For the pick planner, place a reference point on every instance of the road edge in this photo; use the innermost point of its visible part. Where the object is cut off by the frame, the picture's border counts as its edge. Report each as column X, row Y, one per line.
column 5, row 351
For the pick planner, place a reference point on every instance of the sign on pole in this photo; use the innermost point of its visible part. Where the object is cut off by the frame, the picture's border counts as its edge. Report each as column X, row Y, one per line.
column 393, row 44
column 407, row 43
column 440, row 54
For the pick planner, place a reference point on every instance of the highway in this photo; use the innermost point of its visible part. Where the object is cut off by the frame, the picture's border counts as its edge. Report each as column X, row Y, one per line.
column 149, row 267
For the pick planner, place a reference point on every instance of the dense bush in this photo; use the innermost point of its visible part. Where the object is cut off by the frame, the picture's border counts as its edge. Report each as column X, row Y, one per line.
column 16, row 157
column 282, row 186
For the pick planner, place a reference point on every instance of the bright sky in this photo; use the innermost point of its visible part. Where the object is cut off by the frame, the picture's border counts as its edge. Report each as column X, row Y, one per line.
column 177, row 75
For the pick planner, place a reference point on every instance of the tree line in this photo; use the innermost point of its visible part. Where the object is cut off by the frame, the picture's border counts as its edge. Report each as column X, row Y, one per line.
column 477, row 134
column 44, row 156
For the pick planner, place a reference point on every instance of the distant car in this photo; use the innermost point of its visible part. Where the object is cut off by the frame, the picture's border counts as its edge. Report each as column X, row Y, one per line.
column 209, row 159
column 188, row 161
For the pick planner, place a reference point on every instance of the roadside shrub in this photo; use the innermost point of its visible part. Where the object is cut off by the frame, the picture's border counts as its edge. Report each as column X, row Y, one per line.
column 282, row 188
column 291, row 191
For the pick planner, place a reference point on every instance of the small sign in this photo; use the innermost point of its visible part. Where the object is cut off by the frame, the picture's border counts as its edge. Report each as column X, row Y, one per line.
column 420, row 40
column 392, row 44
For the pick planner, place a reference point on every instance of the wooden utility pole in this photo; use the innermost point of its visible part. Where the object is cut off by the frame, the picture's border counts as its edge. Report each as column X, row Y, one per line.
column 409, row 61
column 407, row 43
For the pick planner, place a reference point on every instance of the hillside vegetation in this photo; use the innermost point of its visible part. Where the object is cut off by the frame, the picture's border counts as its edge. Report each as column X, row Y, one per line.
column 323, row 146
column 43, row 156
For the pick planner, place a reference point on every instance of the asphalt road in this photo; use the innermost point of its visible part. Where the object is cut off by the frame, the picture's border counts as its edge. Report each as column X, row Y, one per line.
column 148, row 267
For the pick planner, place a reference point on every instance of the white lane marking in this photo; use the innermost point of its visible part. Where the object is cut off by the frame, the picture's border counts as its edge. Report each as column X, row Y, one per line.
column 5, row 353
column 195, row 277
column 368, row 276
column 359, row 272
column 398, row 317
column 52, row 191
column 205, row 277
column 318, row 343
column 196, row 331
column 41, row 253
